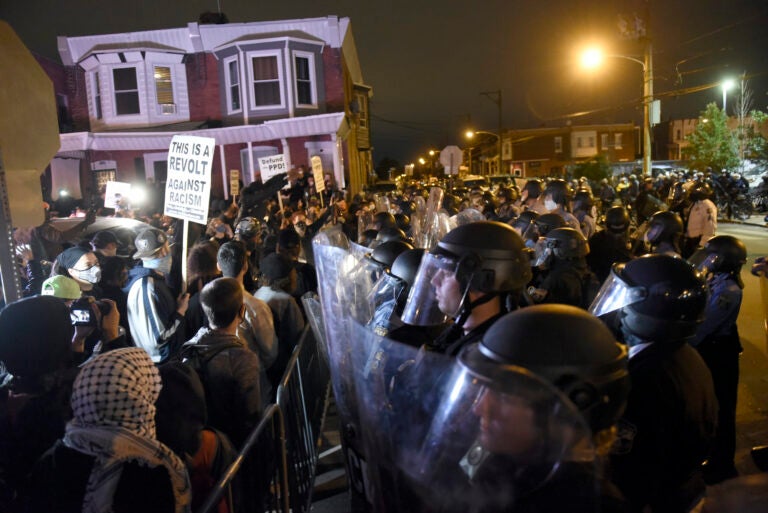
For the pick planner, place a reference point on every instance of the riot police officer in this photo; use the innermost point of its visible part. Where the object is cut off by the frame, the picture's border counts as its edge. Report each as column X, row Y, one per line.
column 610, row 245
column 667, row 429
column 524, row 419
column 469, row 276
column 664, row 232
column 717, row 340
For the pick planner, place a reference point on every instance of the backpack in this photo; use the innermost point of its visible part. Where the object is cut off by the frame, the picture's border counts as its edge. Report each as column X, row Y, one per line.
column 197, row 357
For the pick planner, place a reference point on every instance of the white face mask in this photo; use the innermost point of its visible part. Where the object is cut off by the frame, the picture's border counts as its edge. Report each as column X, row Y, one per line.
column 550, row 205
column 90, row 275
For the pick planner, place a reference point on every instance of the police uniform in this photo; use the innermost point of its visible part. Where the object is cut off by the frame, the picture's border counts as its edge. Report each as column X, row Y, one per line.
column 717, row 340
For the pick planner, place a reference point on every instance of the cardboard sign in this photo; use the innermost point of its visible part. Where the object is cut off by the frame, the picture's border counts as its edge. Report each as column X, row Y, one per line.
column 234, row 182
column 272, row 166
column 317, row 173
column 188, row 189
column 117, row 195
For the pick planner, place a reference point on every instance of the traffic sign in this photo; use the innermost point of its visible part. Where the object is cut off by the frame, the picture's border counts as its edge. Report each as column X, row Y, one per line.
column 450, row 158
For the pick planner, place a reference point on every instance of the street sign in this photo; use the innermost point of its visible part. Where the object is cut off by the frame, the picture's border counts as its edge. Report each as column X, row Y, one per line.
column 450, row 158
column 188, row 189
column 234, row 182
column 272, row 166
column 317, row 173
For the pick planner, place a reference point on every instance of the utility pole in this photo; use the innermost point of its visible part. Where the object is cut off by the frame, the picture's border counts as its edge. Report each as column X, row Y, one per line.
column 495, row 97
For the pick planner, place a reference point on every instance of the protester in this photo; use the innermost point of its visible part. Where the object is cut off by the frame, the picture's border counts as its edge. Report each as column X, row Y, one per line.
column 109, row 458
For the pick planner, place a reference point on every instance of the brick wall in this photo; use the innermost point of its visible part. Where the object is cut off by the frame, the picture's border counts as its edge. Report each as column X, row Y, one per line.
column 203, row 82
column 334, row 79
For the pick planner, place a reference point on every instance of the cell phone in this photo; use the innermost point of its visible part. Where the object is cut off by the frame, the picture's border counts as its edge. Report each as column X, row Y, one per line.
column 82, row 317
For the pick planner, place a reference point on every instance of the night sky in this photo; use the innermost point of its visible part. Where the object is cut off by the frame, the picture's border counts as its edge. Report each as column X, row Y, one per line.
column 428, row 61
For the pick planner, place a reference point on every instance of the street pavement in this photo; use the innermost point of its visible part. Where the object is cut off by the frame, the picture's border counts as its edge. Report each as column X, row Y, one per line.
column 752, row 406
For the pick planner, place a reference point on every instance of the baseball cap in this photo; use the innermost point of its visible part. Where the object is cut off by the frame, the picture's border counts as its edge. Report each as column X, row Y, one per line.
column 149, row 242
column 61, row 287
column 104, row 237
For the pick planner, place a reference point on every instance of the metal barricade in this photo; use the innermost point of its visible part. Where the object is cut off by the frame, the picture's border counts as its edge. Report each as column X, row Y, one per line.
column 270, row 432
column 291, row 428
column 301, row 397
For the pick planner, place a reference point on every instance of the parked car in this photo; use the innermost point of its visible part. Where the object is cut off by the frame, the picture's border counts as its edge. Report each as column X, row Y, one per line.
column 125, row 229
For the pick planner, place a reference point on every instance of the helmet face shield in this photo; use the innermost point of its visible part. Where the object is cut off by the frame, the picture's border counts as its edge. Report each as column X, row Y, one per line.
column 543, row 250
column 514, row 426
column 615, row 294
column 434, row 295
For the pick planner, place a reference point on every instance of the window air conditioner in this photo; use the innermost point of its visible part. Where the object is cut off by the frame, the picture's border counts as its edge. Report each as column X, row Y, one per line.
column 168, row 108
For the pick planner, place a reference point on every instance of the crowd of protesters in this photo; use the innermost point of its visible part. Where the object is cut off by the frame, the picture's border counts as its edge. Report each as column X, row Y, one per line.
column 84, row 396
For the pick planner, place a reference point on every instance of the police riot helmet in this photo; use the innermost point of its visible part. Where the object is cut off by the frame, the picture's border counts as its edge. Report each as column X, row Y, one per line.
column 485, row 256
column 248, row 227
column 390, row 233
column 721, row 254
column 664, row 226
column 525, row 224
column 582, row 200
column 617, row 220
column 565, row 346
column 406, row 265
column 700, row 191
column 660, row 297
column 384, row 220
column 567, row 243
column 489, row 254
column 547, row 222
column 403, row 222
column 385, row 253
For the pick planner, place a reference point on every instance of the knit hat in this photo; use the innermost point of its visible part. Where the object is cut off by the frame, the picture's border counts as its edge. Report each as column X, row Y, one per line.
column 29, row 347
column 149, row 242
column 61, row 287
column 275, row 266
column 68, row 258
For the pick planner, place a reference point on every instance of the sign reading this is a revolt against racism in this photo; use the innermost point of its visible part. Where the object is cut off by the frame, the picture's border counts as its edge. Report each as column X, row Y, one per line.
column 188, row 189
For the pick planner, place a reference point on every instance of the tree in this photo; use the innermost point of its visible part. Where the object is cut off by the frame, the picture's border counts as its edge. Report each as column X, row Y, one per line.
column 756, row 146
column 712, row 144
column 595, row 169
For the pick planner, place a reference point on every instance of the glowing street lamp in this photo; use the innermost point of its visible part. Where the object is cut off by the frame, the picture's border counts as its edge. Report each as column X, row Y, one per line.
column 726, row 85
column 593, row 58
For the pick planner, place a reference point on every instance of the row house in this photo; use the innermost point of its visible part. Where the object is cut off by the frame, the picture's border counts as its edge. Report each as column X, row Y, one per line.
column 292, row 87
column 550, row 151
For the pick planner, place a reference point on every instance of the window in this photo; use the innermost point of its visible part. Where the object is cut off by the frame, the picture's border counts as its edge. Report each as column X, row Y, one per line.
column 678, row 137
column 126, row 91
column 558, row 144
column 233, row 85
column 362, row 109
column 617, row 141
column 604, row 141
column 304, row 70
column 164, row 89
column 97, row 95
column 266, row 81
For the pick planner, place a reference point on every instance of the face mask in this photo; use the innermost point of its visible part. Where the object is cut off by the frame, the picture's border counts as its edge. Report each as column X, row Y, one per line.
column 90, row 275
column 161, row 265
column 300, row 227
column 550, row 205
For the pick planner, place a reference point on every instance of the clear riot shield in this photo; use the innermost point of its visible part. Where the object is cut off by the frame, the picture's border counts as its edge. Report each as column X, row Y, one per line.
column 430, row 231
column 440, row 437
column 382, row 202
column 466, row 216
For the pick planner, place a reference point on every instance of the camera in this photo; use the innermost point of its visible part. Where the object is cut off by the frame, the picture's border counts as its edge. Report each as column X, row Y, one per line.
column 83, row 311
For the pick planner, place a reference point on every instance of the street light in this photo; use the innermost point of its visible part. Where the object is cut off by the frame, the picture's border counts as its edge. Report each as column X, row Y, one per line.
column 593, row 57
column 470, row 134
column 726, row 85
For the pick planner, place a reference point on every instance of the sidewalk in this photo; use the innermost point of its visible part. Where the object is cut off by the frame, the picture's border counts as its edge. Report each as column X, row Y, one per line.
column 754, row 220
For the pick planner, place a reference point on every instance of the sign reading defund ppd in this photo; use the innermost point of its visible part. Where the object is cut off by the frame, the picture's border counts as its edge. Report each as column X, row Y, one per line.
column 188, row 189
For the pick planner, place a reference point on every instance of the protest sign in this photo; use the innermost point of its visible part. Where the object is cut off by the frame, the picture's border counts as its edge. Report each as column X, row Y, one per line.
column 188, row 189
column 317, row 173
column 234, row 182
column 117, row 195
column 271, row 166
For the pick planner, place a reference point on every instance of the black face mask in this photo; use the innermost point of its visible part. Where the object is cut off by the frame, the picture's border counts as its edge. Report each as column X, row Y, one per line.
column 301, row 225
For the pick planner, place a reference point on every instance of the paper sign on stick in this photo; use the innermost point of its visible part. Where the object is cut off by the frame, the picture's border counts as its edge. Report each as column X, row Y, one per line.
column 117, row 194
column 271, row 166
column 188, row 189
column 317, row 173
column 234, row 182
